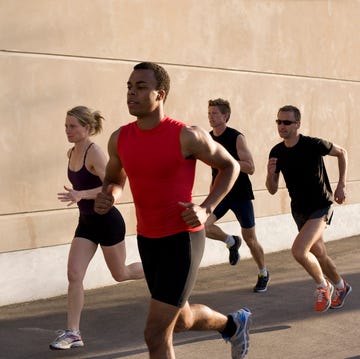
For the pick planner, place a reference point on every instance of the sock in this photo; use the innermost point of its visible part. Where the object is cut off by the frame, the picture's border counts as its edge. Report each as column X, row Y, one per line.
column 340, row 285
column 323, row 284
column 230, row 241
column 73, row 331
column 263, row 272
column 230, row 328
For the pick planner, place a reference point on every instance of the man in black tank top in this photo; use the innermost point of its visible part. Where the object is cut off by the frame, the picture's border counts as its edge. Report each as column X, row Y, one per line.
column 239, row 199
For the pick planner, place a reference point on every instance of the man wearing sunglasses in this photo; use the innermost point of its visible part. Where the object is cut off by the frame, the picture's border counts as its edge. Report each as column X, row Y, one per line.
column 300, row 159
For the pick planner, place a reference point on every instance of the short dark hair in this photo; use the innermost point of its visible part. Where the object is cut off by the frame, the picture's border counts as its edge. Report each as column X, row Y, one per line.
column 223, row 105
column 293, row 109
column 161, row 75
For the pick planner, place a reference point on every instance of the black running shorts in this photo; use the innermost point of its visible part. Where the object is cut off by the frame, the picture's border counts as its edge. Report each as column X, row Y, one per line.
column 301, row 218
column 171, row 265
column 106, row 230
column 243, row 210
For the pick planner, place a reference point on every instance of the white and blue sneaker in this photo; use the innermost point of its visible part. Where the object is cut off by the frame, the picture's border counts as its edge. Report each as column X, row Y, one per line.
column 67, row 339
column 240, row 340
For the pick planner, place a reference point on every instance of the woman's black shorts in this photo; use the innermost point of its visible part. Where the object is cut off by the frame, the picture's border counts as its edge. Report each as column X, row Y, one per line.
column 106, row 230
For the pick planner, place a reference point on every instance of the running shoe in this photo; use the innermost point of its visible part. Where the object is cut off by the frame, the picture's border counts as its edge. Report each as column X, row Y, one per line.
column 240, row 340
column 323, row 297
column 340, row 295
column 262, row 283
column 234, row 255
column 67, row 339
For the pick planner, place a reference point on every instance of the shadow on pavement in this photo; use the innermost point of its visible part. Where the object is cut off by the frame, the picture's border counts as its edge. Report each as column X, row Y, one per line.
column 113, row 318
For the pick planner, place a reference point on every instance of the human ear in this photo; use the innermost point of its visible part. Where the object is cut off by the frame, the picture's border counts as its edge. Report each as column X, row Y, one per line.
column 161, row 95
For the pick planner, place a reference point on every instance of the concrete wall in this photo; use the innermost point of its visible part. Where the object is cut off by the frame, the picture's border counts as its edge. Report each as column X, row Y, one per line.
column 258, row 54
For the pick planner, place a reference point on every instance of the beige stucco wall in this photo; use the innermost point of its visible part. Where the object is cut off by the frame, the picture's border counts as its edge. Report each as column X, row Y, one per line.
column 259, row 55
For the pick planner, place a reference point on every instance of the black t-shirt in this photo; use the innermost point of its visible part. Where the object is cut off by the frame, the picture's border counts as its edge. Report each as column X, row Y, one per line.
column 242, row 189
column 304, row 172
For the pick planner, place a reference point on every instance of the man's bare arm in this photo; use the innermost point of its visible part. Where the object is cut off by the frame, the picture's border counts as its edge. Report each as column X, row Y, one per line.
column 197, row 143
column 246, row 160
column 341, row 154
column 272, row 178
column 114, row 181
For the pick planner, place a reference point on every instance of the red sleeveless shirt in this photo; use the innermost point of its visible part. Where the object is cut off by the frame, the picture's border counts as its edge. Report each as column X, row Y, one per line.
column 159, row 176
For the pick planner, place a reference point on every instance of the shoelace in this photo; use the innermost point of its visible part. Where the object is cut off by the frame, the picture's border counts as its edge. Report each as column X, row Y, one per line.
column 338, row 293
column 61, row 333
column 320, row 294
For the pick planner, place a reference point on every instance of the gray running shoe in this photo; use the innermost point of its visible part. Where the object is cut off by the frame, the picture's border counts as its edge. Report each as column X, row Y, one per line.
column 338, row 299
column 234, row 255
column 67, row 339
column 240, row 340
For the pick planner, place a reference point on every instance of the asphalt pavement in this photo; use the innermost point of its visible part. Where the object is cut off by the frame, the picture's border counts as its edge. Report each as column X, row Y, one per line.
column 285, row 325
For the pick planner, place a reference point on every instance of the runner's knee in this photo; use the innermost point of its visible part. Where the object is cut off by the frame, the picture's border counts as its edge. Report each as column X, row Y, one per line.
column 184, row 323
column 75, row 275
column 298, row 254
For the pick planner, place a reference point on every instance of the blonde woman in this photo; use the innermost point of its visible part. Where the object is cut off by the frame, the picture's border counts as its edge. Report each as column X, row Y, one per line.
column 86, row 171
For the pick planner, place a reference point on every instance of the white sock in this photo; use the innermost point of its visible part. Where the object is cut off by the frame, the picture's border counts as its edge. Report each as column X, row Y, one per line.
column 323, row 284
column 263, row 272
column 230, row 241
column 340, row 285
column 74, row 331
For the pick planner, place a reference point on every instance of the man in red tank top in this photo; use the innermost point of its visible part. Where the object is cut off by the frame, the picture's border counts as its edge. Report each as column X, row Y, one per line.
column 158, row 156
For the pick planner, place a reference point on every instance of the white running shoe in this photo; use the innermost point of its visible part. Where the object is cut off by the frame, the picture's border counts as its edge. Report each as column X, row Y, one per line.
column 240, row 340
column 67, row 339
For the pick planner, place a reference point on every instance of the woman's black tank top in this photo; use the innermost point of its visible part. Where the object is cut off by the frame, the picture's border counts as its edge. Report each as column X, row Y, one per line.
column 84, row 180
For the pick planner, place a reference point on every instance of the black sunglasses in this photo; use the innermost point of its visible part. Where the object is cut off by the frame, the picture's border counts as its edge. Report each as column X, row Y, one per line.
column 285, row 122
